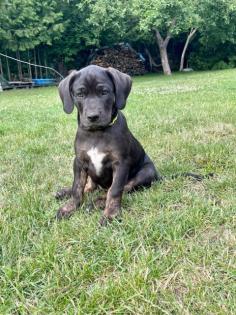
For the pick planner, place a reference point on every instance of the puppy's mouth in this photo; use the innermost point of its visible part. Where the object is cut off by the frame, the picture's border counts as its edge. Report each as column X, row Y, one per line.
column 93, row 126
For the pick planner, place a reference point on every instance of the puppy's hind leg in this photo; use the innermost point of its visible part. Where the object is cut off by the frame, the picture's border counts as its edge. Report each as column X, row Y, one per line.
column 145, row 176
column 90, row 185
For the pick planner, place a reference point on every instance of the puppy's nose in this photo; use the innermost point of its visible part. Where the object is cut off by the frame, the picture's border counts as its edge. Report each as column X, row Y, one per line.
column 93, row 117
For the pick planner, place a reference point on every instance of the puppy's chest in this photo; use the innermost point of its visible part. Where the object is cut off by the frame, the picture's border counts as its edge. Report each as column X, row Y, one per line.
column 97, row 159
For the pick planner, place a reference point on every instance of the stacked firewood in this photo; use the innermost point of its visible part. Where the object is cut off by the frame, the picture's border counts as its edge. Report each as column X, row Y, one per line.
column 123, row 58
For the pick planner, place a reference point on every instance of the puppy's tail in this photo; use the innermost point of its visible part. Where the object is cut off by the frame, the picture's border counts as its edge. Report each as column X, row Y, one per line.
column 198, row 177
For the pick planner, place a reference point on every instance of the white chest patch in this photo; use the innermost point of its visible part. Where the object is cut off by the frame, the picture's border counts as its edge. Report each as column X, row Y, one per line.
column 96, row 158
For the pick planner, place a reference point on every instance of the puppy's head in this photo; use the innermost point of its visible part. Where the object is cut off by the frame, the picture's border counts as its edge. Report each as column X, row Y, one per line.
column 97, row 93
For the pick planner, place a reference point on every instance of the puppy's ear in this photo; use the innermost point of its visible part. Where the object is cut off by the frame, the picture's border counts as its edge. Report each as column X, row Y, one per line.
column 122, row 83
column 64, row 92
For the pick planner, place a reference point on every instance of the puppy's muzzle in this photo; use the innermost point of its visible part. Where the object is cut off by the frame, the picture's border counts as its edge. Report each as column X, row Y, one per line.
column 93, row 117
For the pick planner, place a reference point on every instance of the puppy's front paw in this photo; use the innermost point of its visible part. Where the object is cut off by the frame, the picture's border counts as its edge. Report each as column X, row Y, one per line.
column 66, row 211
column 104, row 220
column 63, row 193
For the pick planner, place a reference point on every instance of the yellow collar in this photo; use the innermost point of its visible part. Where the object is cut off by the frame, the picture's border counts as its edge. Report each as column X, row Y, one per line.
column 113, row 120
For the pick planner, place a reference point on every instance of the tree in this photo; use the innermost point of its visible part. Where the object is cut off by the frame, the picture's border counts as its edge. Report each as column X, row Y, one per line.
column 215, row 22
column 188, row 40
column 216, row 34
column 166, row 19
column 192, row 23
column 26, row 24
column 66, row 31
column 89, row 24
column 107, row 20
column 218, row 21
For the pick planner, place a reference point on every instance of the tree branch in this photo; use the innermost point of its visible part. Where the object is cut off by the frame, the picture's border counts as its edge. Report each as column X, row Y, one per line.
column 169, row 35
column 158, row 36
column 151, row 61
column 193, row 31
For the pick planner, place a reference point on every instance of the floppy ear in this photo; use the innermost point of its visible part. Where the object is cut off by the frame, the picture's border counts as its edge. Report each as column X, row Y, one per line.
column 64, row 92
column 122, row 83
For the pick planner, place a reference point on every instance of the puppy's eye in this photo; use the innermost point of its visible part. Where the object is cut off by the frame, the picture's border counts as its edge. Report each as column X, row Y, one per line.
column 80, row 94
column 104, row 92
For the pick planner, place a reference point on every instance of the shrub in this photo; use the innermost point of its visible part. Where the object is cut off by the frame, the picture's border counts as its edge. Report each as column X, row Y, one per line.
column 220, row 65
column 232, row 61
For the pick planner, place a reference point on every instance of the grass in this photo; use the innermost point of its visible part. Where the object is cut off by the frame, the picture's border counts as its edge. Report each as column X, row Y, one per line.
column 174, row 251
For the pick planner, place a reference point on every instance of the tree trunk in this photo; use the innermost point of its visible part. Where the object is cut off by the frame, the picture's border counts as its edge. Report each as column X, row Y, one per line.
column 165, row 60
column 29, row 67
column 45, row 64
column 162, row 44
column 1, row 69
column 20, row 74
column 35, row 68
column 188, row 41
column 8, row 69
column 40, row 69
column 61, row 67
column 149, row 58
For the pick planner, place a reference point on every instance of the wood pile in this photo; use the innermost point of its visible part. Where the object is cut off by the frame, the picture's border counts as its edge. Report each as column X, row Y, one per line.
column 121, row 57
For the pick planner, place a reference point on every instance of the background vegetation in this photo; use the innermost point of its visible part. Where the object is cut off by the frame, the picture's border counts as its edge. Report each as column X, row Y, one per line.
column 63, row 33
column 173, row 252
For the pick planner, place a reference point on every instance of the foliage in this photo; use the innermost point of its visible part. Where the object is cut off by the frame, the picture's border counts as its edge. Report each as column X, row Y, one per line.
column 164, row 18
column 69, row 30
column 161, row 14
column 106, row 20
column 28, row 23
column 218, row 21
column 232, row 61
column 205, row 57
column 221, row 65
column 89, row 24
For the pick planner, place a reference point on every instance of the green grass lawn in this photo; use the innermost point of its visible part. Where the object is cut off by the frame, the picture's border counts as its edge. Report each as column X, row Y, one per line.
column 174, row 251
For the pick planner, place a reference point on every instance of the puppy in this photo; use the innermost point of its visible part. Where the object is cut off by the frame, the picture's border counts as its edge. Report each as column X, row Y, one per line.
column 106, row 152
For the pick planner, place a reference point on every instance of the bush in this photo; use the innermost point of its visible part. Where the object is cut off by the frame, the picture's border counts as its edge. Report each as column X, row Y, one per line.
column 199, row 63
column 220, row 65
column 232, row 61
column 203, row 57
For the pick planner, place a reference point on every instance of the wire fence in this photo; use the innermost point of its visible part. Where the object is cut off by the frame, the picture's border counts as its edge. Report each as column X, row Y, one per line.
column 32, row 64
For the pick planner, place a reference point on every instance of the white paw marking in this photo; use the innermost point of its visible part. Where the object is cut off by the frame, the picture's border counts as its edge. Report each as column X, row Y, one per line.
column 96, row 158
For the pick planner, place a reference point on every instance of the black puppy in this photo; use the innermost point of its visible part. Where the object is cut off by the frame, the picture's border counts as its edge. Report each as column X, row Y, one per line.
column 107, row 154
